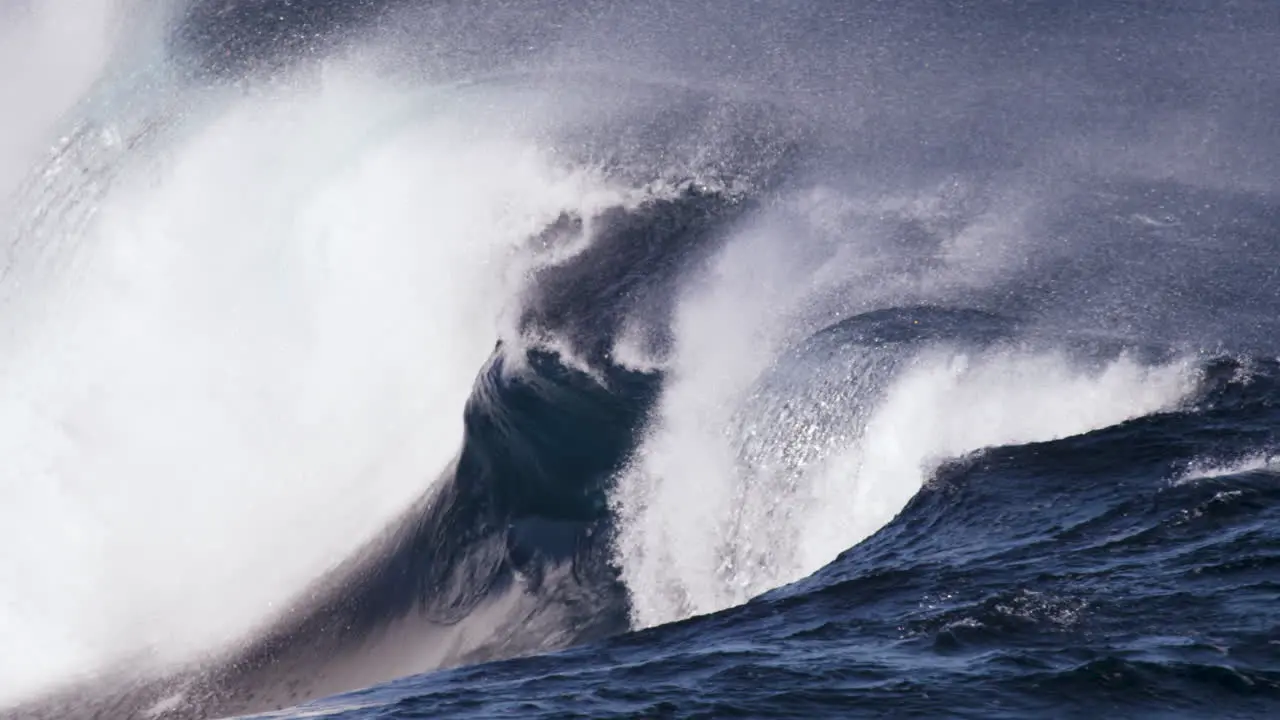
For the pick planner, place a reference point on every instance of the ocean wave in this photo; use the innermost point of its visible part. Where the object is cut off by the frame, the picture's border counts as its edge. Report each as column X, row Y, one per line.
column 590, row 355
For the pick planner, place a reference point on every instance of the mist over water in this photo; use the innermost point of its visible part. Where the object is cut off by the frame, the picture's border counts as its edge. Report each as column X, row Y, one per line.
column 757, row 276
column 251, row 348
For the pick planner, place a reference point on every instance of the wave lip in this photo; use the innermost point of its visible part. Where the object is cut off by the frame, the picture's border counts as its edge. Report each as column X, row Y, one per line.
column 824, row 447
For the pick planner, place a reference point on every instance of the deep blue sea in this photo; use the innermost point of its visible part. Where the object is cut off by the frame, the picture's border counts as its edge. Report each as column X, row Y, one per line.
column 550, row 359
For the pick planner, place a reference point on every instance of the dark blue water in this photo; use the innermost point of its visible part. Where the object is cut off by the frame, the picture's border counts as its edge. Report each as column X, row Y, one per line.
column 1011, row 444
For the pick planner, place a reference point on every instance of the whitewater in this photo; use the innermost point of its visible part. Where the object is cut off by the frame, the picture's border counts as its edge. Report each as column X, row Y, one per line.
column 636, row 360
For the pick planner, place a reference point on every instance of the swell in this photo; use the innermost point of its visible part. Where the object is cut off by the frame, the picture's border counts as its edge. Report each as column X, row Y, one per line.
column 1092, row 572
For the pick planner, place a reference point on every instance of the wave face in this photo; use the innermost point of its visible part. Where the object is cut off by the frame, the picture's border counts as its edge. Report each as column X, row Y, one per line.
column 388, row 359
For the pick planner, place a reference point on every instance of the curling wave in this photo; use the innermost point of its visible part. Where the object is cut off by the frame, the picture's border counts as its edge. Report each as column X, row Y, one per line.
column 677, row 341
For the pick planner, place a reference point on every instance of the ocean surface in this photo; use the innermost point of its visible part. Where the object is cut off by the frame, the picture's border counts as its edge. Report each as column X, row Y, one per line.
column 552, row 359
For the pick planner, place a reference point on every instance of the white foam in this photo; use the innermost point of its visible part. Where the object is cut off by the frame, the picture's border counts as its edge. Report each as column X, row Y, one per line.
column 630, row 351
column 1210, row 469
column 702, row 530
column 255, row 353
column 51, row 54
column 948, row 405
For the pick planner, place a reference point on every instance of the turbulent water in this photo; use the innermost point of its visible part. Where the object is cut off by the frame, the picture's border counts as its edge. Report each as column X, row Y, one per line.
column 639, row 359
